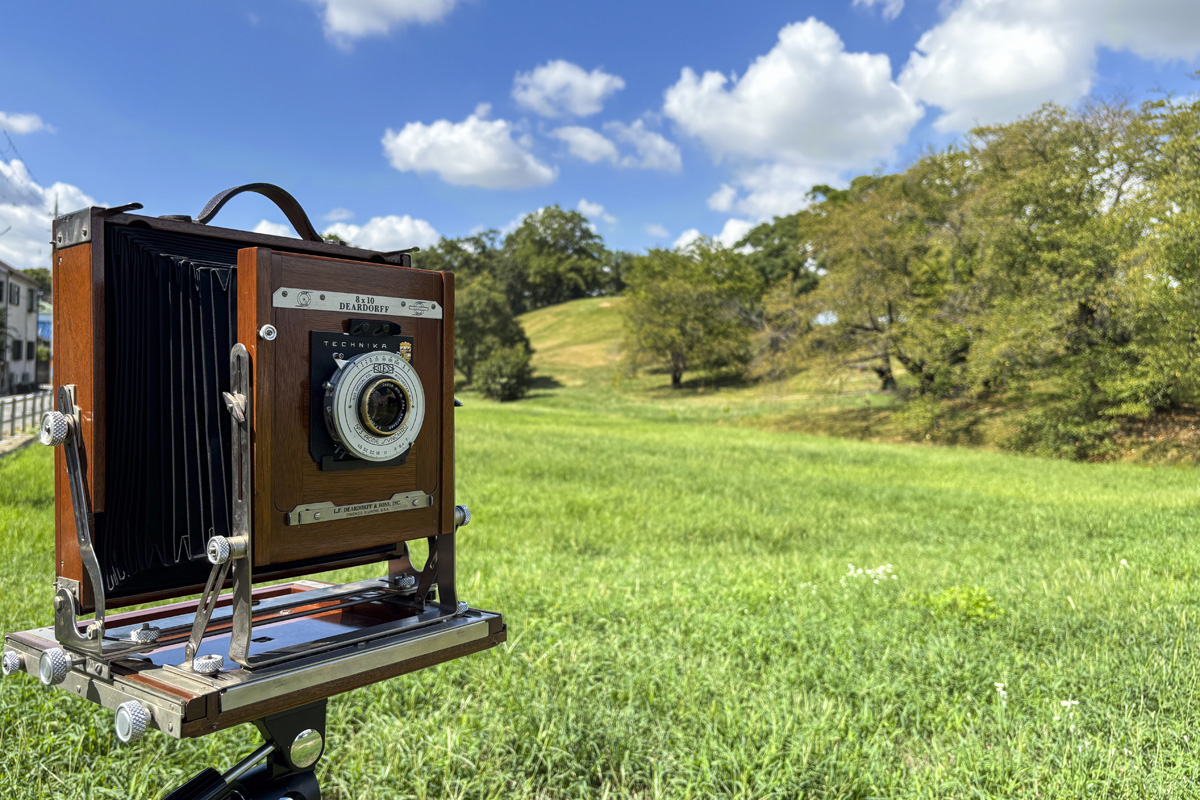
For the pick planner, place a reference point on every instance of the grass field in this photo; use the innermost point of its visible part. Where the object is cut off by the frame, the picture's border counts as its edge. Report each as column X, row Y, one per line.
column 684, row 620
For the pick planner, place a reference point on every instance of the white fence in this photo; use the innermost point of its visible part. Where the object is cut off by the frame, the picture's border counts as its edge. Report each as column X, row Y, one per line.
column 23, row 412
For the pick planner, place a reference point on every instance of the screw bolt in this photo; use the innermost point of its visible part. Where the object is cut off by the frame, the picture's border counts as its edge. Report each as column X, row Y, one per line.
column 53, row 666
column 462, row 516
column 55, row 429
column 12, row 662
column 145, row 634
column 208, row 665
column 218, row 550
column 268, row 333
column 131, row 722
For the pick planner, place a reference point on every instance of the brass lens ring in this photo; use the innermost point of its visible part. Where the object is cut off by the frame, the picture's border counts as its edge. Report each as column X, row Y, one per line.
column 364, row 407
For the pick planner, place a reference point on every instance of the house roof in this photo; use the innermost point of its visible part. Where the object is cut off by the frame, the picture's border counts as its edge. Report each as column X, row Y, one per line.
column 4, row 267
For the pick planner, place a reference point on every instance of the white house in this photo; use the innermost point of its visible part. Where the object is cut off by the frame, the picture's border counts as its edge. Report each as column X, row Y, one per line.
column 20, row 296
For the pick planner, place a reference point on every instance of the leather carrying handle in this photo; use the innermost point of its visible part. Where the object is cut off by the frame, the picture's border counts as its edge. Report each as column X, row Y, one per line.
column 286, row 203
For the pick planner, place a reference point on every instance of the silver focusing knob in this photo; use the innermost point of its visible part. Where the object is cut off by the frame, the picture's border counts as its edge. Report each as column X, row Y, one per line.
column 145, row 634
column 462, row 516
column 132, row 720
column 462, row 608
column 53, row 666
column 208, row 665
column 218, row 550
column 11, row 662
column 55, row 429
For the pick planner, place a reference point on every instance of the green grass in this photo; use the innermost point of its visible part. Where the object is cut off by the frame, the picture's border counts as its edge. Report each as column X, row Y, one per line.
column 684, row 621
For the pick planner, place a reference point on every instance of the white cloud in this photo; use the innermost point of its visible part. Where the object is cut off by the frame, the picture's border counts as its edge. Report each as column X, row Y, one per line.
column 653, row 150
column 560, row 88
column 474, row 152
column 722, row 199
column 773, row 189
column 687, row 239
column 347, row 20
column 339, row 215
column 991, row 61
column 890, row 9
column 733, row 231
column 516, row 221
column 595, row 211
column 26, row 210
column 650, row 150
column 805, row 101
column 657, row 231
column 275, row 229
column 23, row 123
column 587, row 144
column 387, row 233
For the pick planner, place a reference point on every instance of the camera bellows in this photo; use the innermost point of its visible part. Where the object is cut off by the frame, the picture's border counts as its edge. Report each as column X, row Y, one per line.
column 171, row 309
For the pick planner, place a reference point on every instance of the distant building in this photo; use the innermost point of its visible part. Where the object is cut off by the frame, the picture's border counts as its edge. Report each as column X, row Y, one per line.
column 45, row 334
column 20, row 297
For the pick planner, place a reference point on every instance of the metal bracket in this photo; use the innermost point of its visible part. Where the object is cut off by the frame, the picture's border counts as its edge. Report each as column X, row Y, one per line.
column 74, row 228
column 68, row 599
column 238, row 549
column 243, row 472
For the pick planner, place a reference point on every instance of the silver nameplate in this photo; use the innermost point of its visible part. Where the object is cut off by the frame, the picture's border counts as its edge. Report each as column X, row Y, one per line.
column 321, row 300
column 326, row 512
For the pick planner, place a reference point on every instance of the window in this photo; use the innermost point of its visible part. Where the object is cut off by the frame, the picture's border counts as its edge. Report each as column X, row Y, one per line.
column 33, row 299
column 30, row 351
column 18, row 349
column 14, row 294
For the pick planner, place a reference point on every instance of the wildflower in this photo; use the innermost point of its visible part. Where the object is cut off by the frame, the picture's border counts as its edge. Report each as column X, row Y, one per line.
column 1002, row 694
column 1124, row 564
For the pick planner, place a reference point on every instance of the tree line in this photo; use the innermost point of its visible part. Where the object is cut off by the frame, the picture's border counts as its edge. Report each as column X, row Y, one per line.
column 1051, row 262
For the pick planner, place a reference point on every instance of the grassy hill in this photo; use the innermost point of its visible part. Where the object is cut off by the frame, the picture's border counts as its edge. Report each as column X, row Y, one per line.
column 578, row 362
column 702, row 608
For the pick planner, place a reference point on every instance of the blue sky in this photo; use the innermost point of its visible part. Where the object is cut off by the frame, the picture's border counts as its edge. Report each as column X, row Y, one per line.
column 401, row 120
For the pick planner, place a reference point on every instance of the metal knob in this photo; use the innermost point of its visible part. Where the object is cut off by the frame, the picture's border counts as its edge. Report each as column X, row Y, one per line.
column 306, row 748
column 218, row 550
column 145, row 634
column 53, row 666
column 12, row 662
column 462, row 516
column 131, row 722
column 55, row 429
column 208, row 665
column 223, row 548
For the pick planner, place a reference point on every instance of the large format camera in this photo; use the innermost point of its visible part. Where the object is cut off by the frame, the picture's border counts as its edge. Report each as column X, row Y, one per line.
column 234, row 408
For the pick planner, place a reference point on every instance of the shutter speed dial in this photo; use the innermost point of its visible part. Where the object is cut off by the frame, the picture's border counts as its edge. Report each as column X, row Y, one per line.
column 374, row 405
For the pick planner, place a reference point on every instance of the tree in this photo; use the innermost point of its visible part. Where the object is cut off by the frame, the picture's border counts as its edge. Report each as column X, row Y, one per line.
column 41, row 276
column 553, row 256
column 466, row 256
column 506, row 373
column 483, row 323
column 782, row 249
column 690, row 310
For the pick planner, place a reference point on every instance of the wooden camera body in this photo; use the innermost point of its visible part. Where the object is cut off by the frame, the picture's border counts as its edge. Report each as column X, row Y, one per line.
column 233, row 408
column 103, row 328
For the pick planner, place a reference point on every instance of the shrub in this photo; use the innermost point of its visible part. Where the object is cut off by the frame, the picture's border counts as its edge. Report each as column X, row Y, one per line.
column 505, row 374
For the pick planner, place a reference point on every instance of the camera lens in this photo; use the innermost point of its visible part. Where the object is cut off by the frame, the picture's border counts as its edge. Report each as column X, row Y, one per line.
column 384, row 404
